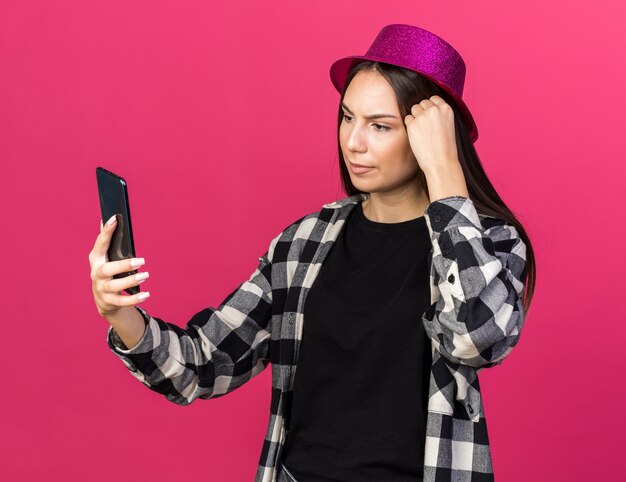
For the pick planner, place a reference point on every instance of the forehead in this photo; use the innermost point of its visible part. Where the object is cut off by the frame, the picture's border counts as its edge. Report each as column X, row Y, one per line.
column 369, row 92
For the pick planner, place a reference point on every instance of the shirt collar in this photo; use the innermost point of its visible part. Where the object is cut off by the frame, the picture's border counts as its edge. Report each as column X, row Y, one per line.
column 354, row 199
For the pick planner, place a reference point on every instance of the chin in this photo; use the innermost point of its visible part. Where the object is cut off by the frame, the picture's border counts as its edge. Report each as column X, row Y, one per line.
column 364, row 186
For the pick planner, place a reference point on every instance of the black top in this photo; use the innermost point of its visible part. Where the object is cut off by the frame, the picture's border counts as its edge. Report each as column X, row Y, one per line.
column 361, row 385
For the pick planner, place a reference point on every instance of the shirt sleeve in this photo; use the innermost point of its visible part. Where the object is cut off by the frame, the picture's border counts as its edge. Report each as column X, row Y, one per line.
column 477, row 274
column 219, row 350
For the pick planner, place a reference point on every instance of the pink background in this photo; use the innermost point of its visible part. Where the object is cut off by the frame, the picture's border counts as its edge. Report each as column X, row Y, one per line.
column 221, row 117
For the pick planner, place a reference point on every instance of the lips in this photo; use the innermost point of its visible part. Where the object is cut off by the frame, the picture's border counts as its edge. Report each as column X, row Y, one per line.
column 359, row 165
column 359, row 169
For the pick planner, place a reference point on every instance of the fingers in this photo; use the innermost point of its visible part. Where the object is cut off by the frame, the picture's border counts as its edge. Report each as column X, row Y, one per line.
column 104, row 238
column 115, row 299
column 425, row 104
column 107, row 270
column 115, row 285
column 101, row 267
column 421, row 107
column 108, row 291
column 438, row 100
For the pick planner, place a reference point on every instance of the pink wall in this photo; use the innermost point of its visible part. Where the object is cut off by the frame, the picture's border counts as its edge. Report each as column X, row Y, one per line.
column 222, row 119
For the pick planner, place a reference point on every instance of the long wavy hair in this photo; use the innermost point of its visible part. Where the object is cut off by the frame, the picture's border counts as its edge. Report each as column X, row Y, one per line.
column 411, row 88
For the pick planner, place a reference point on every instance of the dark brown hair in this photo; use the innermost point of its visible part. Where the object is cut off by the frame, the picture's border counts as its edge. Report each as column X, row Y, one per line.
column 411, row 88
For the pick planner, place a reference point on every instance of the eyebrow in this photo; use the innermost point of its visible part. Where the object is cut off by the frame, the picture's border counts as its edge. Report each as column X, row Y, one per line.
column 373, row 116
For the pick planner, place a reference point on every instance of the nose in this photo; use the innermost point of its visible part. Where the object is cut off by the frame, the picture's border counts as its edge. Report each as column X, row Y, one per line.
column 354, row 139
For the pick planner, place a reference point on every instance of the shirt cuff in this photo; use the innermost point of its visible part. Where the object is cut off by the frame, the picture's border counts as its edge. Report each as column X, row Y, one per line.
column 117, row 345
column 451, row 212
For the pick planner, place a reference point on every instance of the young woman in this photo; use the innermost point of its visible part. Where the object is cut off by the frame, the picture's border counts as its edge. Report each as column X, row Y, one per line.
column 411, row 284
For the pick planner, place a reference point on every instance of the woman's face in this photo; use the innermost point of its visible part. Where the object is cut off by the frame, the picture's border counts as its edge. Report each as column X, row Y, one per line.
column 382, row 142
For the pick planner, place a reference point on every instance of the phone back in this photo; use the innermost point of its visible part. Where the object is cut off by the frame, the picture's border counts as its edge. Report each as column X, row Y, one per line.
column 113, row 193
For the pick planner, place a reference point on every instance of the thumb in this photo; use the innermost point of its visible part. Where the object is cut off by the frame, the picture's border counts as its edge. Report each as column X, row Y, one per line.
column 104, row 238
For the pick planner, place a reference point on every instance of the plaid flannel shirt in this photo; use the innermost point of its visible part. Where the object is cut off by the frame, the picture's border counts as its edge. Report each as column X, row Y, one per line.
column 478, row 264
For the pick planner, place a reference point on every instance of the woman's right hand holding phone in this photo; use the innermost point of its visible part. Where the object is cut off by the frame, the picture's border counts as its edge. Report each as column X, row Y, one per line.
column 118, row 309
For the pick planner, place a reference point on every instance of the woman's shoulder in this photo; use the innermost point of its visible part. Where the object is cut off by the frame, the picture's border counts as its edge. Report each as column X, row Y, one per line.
column 326, row 209
column 302, row 227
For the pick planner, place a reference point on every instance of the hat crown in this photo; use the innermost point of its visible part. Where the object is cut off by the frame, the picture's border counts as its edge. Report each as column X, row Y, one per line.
column 420, row 50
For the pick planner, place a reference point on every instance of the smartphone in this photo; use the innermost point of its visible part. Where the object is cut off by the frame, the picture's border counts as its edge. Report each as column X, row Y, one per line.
column 113, row 193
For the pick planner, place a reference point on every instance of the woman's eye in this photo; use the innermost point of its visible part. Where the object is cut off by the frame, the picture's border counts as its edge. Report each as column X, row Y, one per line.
column 379, row 127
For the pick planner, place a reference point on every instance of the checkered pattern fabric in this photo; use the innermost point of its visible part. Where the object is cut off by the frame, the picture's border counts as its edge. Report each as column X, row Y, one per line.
column 478, row 264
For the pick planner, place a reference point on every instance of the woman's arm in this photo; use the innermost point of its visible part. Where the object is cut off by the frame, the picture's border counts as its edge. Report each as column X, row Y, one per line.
column 219, row 350
column 128, row 326
column 478, row 271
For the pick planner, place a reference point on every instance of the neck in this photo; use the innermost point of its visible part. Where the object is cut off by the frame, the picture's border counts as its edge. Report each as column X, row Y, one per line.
column 395, row 208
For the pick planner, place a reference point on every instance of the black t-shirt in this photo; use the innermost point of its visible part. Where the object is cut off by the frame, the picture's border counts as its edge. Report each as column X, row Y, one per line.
column 361, row 385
